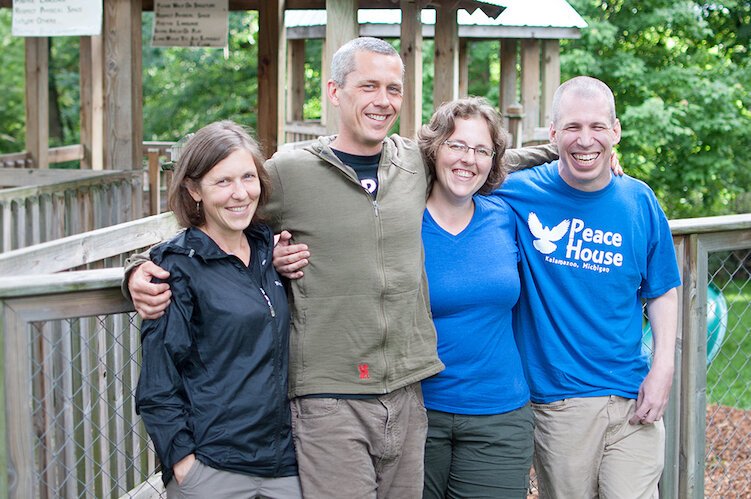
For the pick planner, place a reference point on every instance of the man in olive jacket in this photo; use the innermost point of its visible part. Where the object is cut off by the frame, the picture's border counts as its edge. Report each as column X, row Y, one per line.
column 361, row 336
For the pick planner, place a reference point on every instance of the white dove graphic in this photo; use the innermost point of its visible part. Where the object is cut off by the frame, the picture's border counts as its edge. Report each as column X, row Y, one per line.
column 545, row 236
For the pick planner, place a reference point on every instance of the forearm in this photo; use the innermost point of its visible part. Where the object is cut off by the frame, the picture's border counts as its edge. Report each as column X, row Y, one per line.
column 527, row 157
column 663, row 319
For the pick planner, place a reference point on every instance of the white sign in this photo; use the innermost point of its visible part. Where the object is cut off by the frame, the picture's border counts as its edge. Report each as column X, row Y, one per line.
column 190, row 23
column 57, row 17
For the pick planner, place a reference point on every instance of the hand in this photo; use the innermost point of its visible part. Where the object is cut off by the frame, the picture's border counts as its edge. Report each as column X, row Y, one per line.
column 150, row 299
column 182, row 467
column 615, row 165
column 653, row 396
column 289, row 258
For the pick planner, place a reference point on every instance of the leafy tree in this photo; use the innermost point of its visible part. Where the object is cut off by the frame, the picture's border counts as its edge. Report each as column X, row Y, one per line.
column 680, row 74
column 186, row 88
column 12, row 112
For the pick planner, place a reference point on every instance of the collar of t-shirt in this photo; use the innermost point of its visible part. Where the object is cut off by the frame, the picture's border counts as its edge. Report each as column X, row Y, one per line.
column 366, row 169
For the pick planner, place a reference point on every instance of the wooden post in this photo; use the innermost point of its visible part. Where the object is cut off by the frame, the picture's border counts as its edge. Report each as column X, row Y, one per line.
column 507, row 93
column 446, row 62
column 551, row 77
column 295, row 82
column 694, row 368
column 271, row 61
column 325, row 75
column 155, row 200
column 341, row 27
column 92, row 101
column 463, row 67
column 411, row 52
column 123, row 99
column 37, row 100
column 531, row 85
column 514, row 116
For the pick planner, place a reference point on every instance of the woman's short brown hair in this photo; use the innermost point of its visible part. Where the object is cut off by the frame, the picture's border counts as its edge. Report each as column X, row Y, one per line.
column 442, row 125
column 210, row 145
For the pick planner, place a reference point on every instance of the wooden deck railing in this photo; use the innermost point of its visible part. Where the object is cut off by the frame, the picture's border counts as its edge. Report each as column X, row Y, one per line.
column 41, row 205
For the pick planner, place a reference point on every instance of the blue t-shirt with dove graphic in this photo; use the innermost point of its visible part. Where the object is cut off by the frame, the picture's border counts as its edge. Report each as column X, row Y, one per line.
column 587, row 261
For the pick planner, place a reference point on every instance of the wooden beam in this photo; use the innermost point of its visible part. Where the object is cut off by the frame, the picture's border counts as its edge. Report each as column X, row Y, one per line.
column 37, row 100
column 341, row 27
column 325, row 74
column 271, row 61
column 295, row 80
column 530, row 85
column 464, row 67
column 91, row 69
column 507, row 93
column 411, row 52
column 123, row 99
column 551, row 77
column 446, row 80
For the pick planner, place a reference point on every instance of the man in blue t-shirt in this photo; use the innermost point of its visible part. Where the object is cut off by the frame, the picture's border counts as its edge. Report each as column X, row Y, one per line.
column 593, row 246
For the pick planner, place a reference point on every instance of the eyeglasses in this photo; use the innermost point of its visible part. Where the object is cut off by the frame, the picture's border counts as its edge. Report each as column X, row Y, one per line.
column 462, row 148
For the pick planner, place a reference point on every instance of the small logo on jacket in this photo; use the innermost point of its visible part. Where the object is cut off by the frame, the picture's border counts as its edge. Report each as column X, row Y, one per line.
column 546, row 237
column 364, row 371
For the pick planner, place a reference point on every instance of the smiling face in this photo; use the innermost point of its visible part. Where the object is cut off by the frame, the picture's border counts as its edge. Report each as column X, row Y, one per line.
column 585, row 133
column 229, row 195
column 369, row 102
column 459, row 175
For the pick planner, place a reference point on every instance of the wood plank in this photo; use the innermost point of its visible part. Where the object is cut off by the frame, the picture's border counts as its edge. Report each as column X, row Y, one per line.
column 341, row 27
column 551, row 77
column 5, row 226
column 65, row 153
column 325, row 75
column 122, row 85
column 271, row 64
column 701, row 225
column 507, row 93
column 464, row 58
column 672, row 418
column 530, row 85
column 411, row 53
column 155, row 188
column 80, row 249
column 119, row 398
column 446, row 55
column 19, row 429
column 21, row 177
column 37, row 100
column 88, row 360
column 104, row 414
column 295, row 81
column 694, row 369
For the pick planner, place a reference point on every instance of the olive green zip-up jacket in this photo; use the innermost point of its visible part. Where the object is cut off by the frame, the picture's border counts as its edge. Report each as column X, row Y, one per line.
column 360, row 315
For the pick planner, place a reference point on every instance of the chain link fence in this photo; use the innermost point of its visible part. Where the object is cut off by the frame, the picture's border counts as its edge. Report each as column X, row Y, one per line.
column 728, row 417
column 87, row 440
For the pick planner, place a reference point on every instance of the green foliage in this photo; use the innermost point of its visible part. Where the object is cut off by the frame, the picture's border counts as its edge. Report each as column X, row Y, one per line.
column 680, row 74
column 312, row 106
column 12, row 113
column 187, row 88
column 64, row 83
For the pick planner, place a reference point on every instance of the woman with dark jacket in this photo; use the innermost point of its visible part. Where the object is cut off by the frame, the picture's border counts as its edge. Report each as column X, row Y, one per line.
column 213, row 385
